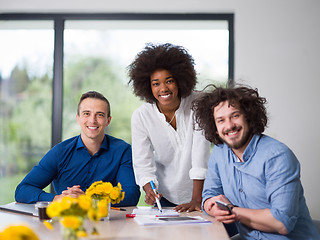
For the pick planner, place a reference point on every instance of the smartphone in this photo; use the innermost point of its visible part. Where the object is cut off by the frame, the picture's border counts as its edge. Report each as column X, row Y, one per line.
column 223, row 206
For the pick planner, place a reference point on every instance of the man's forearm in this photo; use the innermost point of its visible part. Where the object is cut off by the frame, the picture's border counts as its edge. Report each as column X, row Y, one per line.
column 259, row 219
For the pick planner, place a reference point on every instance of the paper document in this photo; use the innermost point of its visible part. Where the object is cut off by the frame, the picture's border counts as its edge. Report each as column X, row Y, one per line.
column 148, row 211
column 142, row 220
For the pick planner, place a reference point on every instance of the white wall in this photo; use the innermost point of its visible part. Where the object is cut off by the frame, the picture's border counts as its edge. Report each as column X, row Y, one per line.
column 276, row 50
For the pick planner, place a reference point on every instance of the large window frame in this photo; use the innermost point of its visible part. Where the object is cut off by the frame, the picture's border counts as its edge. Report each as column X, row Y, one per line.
column 59, row 19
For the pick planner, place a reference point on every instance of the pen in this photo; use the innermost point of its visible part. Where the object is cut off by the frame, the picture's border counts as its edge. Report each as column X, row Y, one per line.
column 157, row 199
column 120, row 209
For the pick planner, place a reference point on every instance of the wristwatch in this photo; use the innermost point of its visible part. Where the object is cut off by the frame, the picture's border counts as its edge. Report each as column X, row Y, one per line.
column 232, row 206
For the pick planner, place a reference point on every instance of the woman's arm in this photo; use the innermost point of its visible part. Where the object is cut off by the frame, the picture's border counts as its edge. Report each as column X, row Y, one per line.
column 195, row 204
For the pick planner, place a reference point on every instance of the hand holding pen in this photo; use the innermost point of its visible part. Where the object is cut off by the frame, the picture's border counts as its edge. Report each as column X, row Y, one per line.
column 151, row 196
column 155, row 192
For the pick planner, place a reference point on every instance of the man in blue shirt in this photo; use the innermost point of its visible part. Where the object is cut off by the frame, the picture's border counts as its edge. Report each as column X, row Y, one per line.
column 74, row 164
column 256, row 175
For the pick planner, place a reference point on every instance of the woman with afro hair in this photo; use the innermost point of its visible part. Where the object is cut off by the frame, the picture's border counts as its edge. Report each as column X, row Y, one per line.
column 166, row 147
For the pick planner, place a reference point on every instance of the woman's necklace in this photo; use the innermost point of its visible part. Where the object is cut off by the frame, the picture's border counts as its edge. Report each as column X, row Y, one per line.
column 174, row 115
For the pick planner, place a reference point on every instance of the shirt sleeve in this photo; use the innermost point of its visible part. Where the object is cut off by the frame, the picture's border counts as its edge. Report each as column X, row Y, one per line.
column 200, row 155
column 142, row 152
column 212, row 184
column 283, row 187
column 30, row 188
column 126, row 177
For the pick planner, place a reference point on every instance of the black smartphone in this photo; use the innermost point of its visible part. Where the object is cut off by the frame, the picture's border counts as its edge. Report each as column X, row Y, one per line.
column 223, row 206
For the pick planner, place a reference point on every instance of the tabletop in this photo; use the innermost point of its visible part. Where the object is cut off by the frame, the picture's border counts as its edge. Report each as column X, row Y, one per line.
column 123, row 228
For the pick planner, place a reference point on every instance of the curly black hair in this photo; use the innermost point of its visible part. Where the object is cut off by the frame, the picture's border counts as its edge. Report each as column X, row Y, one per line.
column 166, row 56
column 248, row 99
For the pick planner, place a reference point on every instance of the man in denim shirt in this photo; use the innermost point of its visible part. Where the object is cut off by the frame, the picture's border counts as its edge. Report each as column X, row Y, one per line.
column 256, row 175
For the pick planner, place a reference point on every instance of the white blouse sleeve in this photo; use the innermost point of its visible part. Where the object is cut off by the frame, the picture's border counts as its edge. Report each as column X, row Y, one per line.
column 142, row 151
column 200, row 154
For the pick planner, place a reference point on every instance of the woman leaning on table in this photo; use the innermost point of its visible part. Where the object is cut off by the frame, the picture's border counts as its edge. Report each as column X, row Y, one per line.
column 166, row 147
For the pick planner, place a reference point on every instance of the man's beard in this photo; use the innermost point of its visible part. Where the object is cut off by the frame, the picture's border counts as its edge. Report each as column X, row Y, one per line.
column 241, row 142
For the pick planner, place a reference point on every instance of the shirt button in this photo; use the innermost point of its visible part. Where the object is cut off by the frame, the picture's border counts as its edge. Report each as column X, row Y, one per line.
column 89, row 172
column 240, row 190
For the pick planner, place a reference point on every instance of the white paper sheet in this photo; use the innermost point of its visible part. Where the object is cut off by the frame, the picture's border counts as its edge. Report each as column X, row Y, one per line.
column 148, row 211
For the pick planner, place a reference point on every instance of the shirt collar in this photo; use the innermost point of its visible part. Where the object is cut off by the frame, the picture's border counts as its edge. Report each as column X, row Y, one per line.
column 251, row 148
column 104, row 145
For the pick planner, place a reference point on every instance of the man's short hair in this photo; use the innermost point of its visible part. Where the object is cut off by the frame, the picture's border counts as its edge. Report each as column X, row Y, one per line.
column 96, row 95
column 239, row 96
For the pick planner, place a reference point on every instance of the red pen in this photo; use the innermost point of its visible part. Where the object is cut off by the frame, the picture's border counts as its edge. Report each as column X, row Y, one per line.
column 130, row 215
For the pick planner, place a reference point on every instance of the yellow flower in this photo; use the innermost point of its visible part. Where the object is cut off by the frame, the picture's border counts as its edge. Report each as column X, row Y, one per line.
column 18, row 232
column 71, row 222
column 48, row 225
column 66, row 203
column 82, row 233
column 54, row 209
column 107, row 187
column 115, row 193
column 99, row 189
column 122, row 196
column 93, row 215
column 85, row 202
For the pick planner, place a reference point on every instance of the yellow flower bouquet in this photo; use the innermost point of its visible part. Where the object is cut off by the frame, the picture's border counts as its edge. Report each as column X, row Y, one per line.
column 71, row 213
column 18, row 232
column 93, row 205
column 103, row 194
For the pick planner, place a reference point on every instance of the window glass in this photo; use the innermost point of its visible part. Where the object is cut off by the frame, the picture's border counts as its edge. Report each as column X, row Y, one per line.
column 96, row 54
column 26, row 64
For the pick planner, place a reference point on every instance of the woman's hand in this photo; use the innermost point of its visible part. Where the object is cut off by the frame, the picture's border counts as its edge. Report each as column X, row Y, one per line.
column 150, row 197
column 189, row 207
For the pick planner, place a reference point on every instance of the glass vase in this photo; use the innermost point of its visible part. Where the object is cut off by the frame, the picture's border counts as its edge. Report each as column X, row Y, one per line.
column 69, row 233
column 100, row 207
column 107, row 218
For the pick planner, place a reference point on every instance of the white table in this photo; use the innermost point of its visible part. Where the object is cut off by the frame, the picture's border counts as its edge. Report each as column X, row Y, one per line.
column 120, row 227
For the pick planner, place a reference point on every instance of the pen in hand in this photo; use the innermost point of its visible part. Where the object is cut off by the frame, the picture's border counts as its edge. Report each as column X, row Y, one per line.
column 157, row 199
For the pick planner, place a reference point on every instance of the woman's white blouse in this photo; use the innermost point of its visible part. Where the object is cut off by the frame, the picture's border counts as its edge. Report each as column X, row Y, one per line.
column 171, row 158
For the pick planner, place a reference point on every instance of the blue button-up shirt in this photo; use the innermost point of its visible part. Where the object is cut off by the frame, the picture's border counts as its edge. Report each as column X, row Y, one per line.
column 268, row 177
column 69, row 163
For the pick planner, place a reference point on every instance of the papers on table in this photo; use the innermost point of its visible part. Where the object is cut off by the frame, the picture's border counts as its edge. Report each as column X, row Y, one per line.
column 142, row 220
column 154, row 212
column 152, row 216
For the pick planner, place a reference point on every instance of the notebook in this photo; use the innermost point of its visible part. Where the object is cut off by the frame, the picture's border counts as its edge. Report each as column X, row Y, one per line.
column 23, row 208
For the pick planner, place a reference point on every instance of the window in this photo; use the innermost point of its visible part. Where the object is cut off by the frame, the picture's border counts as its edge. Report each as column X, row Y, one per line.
column 63, row 55
column 26, row 98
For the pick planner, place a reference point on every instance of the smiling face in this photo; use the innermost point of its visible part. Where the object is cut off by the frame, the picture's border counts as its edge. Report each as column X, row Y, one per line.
column 164, row 88
column 93, row 119
column 232, row 126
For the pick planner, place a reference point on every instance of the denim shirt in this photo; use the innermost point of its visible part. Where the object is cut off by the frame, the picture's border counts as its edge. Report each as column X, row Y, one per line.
column 268, row 177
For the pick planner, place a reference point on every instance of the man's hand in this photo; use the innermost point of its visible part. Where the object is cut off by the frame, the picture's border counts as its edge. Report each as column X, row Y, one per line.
column 74, row 192
column 150, row 197
column 212, row 209
column 189, row 207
